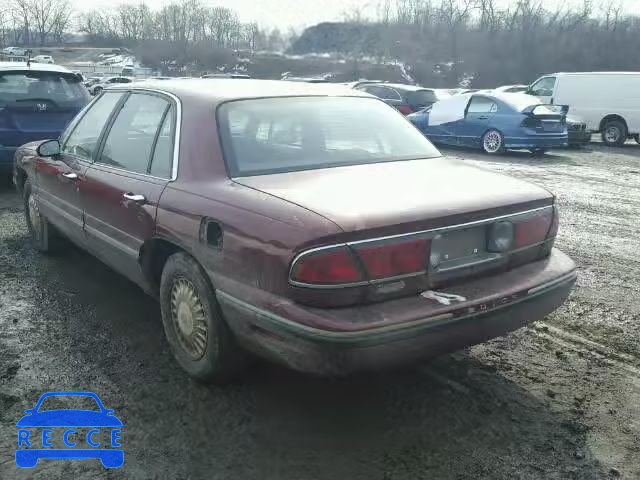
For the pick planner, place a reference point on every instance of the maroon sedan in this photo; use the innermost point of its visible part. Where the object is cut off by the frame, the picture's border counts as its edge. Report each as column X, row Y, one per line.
column 308, row 224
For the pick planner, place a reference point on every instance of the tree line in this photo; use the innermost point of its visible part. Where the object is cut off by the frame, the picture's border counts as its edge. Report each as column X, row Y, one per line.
column 495, row 41
column 181, row 22
column 34, row 22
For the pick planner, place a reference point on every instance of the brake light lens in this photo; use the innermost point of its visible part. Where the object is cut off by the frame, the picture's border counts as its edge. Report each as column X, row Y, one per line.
column 531, row 122
column 534, row 229
column 405, row 109
column 334, row 267
column 392, row 260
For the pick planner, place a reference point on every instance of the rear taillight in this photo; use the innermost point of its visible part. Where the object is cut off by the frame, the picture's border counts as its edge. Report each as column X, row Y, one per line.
column 332, row 267
column 555, row 224
column 341, row 265
column 534, row 229
column 405, row 109
column 531, row 122
column 394, row 259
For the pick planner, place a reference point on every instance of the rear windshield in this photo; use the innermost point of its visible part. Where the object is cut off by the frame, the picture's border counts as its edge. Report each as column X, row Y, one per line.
column 274, row 135
column 59, row 89
column 421, row 98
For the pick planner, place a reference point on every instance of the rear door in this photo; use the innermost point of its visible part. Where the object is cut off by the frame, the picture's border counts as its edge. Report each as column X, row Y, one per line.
column 477, row 120
column 60, row 178
column 37, row 105
column 123, row 186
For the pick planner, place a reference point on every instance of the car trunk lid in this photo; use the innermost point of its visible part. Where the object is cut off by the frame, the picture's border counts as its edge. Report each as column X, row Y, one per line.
column 398, row 197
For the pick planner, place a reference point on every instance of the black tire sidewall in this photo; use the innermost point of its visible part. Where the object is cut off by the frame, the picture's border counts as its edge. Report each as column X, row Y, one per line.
column 623, row 133
column 497, row 152
column 40, row 239
column 222, row 358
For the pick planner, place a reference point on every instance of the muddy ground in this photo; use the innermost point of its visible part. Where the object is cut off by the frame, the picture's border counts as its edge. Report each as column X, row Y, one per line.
column 558, row 400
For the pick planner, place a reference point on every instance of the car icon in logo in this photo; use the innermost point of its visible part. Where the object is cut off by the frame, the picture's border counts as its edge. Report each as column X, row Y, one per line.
column 32, row 447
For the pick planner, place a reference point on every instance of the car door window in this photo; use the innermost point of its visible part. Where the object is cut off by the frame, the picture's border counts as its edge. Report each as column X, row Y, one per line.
column 83, row 140
column 383, row 92
column 543, row 87
column 482, row 105
column 162, row 161
column 131, row 138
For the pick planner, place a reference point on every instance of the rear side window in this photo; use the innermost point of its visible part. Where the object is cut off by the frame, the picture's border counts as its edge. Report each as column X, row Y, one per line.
column 482, row 105
column 57, row 90
column 131, row 138
column 83, row 140
column 163, row 153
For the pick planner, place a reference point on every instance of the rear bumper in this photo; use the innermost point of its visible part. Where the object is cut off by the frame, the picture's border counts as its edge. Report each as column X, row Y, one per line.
column 579, row 137
column 485, row 315
column 537, row 141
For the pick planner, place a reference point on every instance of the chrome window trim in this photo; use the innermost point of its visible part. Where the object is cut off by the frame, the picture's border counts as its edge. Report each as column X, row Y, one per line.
column 430, row 233
column 177, row 128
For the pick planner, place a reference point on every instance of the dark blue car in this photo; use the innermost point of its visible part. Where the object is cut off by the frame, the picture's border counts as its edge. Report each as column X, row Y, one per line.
column 37, row 101
column 494, row 122
column 35, row 430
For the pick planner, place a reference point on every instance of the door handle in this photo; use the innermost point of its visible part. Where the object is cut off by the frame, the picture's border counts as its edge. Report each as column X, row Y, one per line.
column 134, row 197
column 483, row 118
column 70, row 175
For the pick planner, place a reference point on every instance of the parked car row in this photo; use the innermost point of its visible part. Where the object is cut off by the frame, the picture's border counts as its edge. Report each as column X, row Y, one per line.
column 23, row 52
column 494, row 122
column 262, row 229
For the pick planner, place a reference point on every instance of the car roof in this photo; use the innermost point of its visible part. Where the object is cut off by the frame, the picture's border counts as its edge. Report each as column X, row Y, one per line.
column 38, row 67
column 222, row 90
column 402, row 86
column 590, row 73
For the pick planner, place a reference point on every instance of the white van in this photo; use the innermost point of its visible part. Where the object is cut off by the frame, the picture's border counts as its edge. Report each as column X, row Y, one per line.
column 609, row 102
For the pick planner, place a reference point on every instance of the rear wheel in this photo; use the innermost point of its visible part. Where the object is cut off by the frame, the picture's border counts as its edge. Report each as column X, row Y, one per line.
column 614, row 133
column 199, row 338
column 492, row 142
column 97, row 90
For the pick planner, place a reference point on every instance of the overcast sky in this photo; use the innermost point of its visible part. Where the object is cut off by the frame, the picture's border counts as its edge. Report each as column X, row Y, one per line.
column 302, row 13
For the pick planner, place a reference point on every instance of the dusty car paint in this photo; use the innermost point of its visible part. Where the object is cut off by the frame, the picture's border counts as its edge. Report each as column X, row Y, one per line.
column 266, row 221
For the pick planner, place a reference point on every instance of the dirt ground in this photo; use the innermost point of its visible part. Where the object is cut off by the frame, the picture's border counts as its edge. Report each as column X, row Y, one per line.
column 559, row 400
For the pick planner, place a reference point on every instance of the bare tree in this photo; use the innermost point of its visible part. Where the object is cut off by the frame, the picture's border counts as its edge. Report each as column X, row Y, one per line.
column 46, row 14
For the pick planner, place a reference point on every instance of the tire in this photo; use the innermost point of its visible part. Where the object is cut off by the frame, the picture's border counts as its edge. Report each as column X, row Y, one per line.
column 96, row 91
column 637, row 138
column 492, row 142
column 614, row 133
column 42, row 233
column 199, row 338
column 538, row 152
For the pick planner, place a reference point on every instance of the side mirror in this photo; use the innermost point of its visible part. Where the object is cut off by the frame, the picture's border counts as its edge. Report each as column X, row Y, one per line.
column 49, row 148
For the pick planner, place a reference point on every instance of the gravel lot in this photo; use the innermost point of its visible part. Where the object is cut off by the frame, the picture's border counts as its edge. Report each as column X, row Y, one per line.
column 558, row 400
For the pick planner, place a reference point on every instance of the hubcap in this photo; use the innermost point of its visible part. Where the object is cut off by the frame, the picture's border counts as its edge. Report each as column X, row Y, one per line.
column 188, row 318
column 34, row 216
column 612, row 134
column 492, row 142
